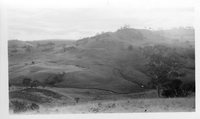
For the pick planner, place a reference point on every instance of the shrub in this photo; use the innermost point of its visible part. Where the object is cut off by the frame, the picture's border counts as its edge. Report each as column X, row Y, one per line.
column 52, row 80
column 94, row 109
column 175, row 89
column 19, row 106
column 100, row 104
column 189, row 87
column 172, row 88
column 34, row 106
column 35, row 83
column 26, row 82
column 168, row 93
column 22, row 106
column 172, row 84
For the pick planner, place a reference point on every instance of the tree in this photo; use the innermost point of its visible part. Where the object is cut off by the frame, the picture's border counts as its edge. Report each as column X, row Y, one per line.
column 57, row 78
column 172, row 88
column 126, row 26
column 164, row 68
column 35, row 83
column 26, row 82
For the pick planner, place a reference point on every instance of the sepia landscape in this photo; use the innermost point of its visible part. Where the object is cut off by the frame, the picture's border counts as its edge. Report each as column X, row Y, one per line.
column 128, row 70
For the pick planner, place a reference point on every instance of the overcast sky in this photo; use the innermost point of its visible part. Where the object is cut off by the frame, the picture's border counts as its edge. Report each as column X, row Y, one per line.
column 74, row 23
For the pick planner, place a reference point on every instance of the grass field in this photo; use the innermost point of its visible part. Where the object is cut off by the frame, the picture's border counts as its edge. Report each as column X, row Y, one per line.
column 63, row 100
column 127, row 106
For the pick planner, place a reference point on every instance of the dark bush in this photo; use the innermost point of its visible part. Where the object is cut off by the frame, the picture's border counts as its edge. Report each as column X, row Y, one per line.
column 173, row 89
column 35, row 83
column 168, row 93
column 22, row 106
column 51, row 81
column 172, row 84
column 19, row 106
column 189, row 87
column 26, row 82
column 34, row 106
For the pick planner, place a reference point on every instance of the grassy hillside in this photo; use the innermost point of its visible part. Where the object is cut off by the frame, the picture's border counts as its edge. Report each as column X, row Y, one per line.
column 97, row 62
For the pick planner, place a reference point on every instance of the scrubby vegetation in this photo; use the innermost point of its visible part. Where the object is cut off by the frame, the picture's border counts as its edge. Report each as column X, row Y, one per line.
column 28, row 96
column 35, row 83
column 53, row 80
column 22, row 106
column 28, row 82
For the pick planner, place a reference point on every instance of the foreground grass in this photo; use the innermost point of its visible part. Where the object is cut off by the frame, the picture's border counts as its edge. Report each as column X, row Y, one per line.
column 125, row 106
column 54, row 100
column 35, row 95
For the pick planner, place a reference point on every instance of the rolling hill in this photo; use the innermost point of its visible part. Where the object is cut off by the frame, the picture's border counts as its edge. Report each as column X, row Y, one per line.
column 112, row 61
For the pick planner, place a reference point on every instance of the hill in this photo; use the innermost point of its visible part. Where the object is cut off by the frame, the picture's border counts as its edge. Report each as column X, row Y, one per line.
column 112, row 61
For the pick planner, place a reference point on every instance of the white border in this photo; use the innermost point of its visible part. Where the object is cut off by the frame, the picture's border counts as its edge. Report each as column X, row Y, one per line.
column 4, row 114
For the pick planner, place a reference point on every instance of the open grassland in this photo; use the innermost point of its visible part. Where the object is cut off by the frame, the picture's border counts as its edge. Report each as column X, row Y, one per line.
column 69, row 100
column 127, row 106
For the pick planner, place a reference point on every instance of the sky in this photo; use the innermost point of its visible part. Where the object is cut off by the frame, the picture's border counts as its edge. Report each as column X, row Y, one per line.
column 49, row 21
